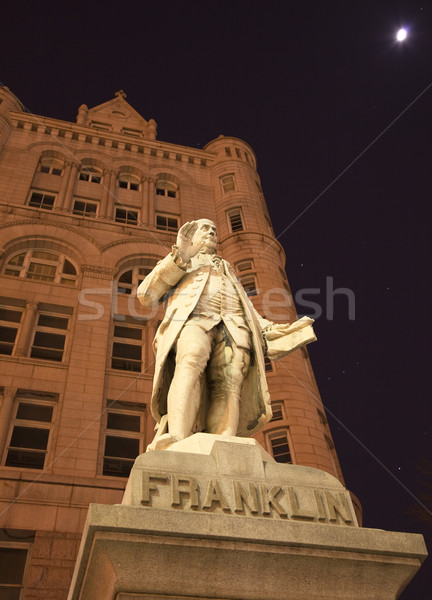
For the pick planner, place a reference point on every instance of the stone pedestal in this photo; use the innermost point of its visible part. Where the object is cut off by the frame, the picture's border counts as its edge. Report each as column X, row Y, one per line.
column 219, row 518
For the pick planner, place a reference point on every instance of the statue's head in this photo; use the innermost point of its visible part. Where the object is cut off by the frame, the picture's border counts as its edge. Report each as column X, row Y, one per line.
column 205, row 236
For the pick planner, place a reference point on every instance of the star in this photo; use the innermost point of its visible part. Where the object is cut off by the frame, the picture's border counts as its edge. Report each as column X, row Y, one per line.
column 401, row 34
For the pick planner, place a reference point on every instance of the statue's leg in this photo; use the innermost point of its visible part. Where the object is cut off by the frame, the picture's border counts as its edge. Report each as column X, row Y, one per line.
column 192, row 354
column 226, row 372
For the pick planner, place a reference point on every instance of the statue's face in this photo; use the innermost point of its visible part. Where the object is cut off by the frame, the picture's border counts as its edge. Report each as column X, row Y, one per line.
column 205, row 236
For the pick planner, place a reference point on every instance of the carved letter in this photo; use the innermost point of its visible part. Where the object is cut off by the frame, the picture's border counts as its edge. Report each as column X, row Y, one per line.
column 148, row 486
column 322, row 516
column 192, row 490
column 245, row 497
column 268, row 499
column 215, row 493
column 338, row 505
column 296, row 511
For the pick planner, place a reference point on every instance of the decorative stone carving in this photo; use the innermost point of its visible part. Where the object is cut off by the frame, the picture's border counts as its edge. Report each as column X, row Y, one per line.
column 209, row 373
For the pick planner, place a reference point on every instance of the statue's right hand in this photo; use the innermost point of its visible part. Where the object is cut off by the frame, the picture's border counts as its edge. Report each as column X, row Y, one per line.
column 184, row 241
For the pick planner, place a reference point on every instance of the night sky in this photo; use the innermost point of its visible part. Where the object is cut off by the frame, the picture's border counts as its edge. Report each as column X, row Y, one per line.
column 339, row 116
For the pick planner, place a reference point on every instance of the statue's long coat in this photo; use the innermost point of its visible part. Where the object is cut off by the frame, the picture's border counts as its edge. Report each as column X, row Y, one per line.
column 182, row 290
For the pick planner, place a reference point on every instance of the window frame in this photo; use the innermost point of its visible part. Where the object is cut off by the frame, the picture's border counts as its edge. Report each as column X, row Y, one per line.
column 249, row 284
column 232, row 214
column 126, row 220
column 166, row 189
column 132, row 182
column 276, row 434
column 7, row 324
column 44, row 195
column 228, row 183
column 46, row 329
column 167, row 217
column 14, row 545
column 90, row 174
column 30, row 399
column 136, row 279
column 127, row 341
column 60, row 276
column 85, row 212
column 118, row 408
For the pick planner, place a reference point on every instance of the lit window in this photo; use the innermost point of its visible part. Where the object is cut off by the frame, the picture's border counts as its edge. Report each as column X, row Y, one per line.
column 127, row 348
column 277, row 409
column 130, row 279
column 129, row 182
column 124, row 215
column 43, row 200
column 84, row 208
column 280, row 447
column 166, row 222
column 228, row 183
column 42, row 266
column 235, row 220
column 249, row 284
column 165, row 188
column 244, row 265
column 12, row 567
column 10, row 319
column 50, row 336
column 30, row 429
column 89, row 173
column 123, row 438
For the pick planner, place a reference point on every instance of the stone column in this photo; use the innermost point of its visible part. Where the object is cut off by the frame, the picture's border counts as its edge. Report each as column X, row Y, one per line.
column 64, row 185
column 104, row 203
column 144, row 200
column 5, row 414
column 67, row 203
column 151, row 202
column 112, row 191
column 26, row 329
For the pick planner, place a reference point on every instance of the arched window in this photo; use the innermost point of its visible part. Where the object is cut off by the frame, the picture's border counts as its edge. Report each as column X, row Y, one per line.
column 129, row 280
column 166, row 188
column 51, row 166
column 90, row 173
column 129, row 181
column 42, row 265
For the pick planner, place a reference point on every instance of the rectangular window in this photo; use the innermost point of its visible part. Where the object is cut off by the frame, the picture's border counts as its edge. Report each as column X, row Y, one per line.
column 124, row 215
column 244, row 265
column 84, row 208
column 132, row 132
column 228, row 151
column 123, row 438
column 249, row 284
column 277, row 409
column 50, row 336
column 228, row 183
column 267, row 364
column 127, row 348
column 238, row 153
column 166, row 222
column 42, row 200
column 235, row 220
column 280, row 447
column 12, row 567
column 30, row 429
column 10, row 319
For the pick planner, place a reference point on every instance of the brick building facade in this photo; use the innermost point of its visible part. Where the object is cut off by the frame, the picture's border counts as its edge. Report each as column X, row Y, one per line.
column 87, row 209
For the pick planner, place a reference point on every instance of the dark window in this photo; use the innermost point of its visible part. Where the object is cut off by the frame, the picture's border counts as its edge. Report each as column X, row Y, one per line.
column 228, row 183
column 123, row 215
column 86, row 209
column 122, row 441
column 238, row 153
column 49, row 338
column 166, row 222
column 9, row 325
column 267, row 364
column 236, row 220
column 280, row 448
column 249, row 284
column 228, row 151
column 12, row 565
column 126, row 348
column 244, row 265
column 42, row 200
column 91, row 174
column 30, row 434
column 277, row 411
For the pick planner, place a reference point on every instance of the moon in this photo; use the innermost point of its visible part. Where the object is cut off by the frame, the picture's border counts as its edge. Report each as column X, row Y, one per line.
column 401, row 34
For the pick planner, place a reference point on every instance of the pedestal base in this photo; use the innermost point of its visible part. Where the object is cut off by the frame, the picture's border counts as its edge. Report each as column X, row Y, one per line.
column 235, row 525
